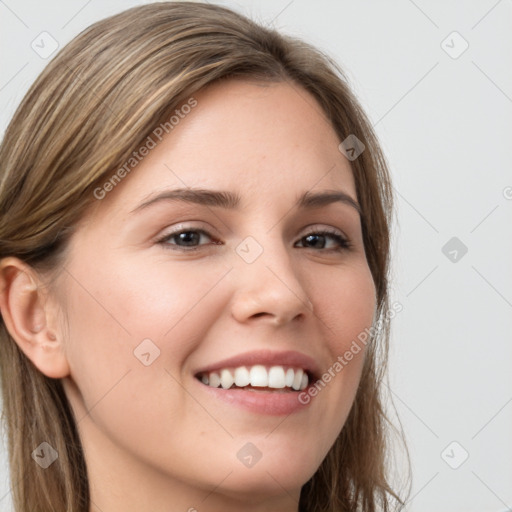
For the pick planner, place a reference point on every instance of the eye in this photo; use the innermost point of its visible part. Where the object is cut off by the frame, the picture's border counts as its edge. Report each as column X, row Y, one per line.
column 319, row 238
column 188, row 240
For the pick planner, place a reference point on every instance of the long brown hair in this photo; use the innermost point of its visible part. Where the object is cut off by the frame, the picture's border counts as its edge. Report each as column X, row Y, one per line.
column 91, row 107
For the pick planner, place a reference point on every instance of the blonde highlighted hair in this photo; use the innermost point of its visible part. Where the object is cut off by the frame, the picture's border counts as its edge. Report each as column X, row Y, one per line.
column 92, row 106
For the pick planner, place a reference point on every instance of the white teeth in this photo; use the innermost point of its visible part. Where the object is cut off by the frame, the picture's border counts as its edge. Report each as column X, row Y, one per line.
column 214, row 380
column 226, row 379
column 257, row 376
column 276, row 377
column 242, row 377
column 288, row 381
column 297, row 379
column 304, row 381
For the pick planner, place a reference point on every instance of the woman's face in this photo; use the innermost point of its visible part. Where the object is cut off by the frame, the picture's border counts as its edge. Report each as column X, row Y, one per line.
column 150, row 313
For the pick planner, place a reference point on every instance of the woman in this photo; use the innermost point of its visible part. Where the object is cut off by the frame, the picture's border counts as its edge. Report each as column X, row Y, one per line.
column 194, row 248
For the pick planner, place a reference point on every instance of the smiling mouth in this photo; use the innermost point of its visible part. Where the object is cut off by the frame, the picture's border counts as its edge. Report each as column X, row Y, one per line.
column 258, row 378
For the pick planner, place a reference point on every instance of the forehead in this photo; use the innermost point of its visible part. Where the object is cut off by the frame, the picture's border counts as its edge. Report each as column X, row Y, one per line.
column 264, row 141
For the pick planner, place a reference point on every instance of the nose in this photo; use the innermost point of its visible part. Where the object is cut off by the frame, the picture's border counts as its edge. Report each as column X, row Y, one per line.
column 269, row 288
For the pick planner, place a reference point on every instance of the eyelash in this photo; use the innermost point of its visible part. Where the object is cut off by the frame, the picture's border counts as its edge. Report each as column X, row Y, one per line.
column 344, row 243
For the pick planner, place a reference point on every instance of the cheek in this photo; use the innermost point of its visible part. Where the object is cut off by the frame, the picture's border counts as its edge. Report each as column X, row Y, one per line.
column 346, row 304
column 346, row 301
column 120, row 313
column 173, row 303
column 108, row 321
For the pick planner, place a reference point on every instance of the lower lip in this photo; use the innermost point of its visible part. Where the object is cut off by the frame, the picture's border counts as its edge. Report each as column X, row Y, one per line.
column 274, row 403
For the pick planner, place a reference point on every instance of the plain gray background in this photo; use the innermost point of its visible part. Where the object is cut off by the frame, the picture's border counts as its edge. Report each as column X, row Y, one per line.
column 443, row 113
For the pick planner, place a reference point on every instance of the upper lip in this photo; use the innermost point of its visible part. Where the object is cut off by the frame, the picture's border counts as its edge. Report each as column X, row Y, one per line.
column 266, row 358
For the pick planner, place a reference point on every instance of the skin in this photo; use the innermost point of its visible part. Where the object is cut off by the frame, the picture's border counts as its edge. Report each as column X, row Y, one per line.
column 153, row 439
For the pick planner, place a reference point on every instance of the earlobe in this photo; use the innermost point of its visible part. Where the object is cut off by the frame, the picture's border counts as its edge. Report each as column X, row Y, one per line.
column 30, row 322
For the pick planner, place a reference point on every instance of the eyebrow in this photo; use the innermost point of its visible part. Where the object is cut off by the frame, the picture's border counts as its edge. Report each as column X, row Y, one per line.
column 231, row 200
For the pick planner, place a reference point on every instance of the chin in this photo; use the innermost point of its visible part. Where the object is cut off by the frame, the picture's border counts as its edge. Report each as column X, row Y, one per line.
column 266, row 481
column 277, row 471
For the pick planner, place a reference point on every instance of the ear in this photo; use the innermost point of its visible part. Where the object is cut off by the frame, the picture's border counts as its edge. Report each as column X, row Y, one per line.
column 30, row 317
